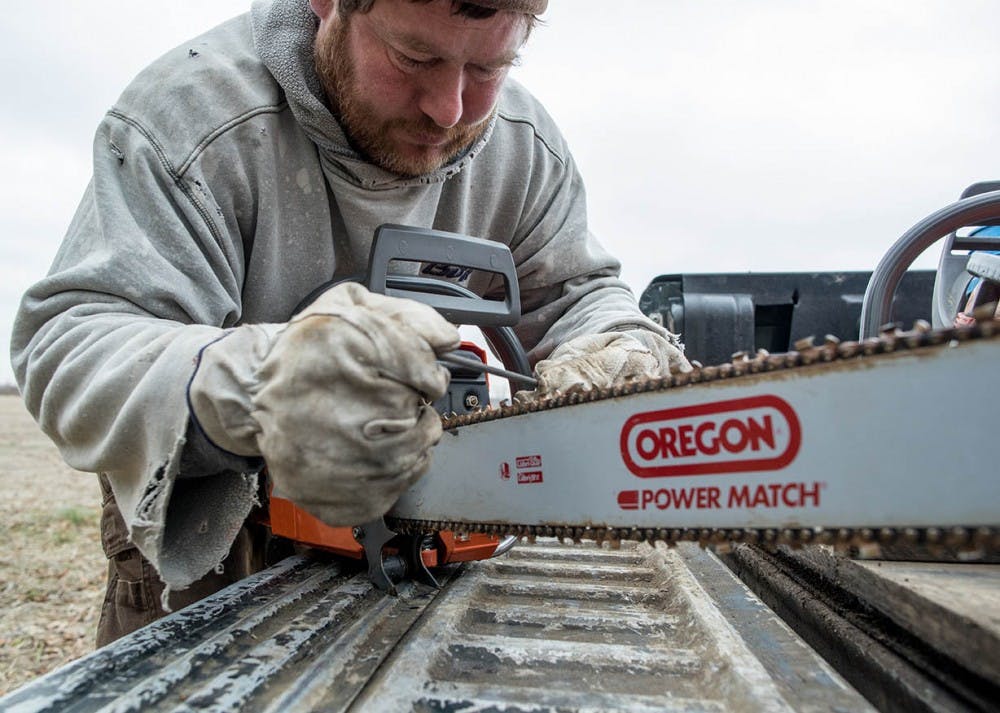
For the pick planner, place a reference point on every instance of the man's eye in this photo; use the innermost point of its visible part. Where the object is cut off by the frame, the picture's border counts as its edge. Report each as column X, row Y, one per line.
column 410, row 62
column 486, row 74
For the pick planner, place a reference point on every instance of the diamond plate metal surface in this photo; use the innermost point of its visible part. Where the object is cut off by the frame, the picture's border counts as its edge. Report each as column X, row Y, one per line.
column 548, row 627
column 582, row 628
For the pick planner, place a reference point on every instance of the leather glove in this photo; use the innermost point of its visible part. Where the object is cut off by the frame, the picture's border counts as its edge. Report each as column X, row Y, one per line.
column 337, row 401
column 598, row 361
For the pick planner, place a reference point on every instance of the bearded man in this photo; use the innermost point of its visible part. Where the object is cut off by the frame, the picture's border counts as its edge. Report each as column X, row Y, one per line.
column 235, row 175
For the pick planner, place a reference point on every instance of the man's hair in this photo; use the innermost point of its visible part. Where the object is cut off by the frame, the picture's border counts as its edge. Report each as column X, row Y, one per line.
column 470, row 10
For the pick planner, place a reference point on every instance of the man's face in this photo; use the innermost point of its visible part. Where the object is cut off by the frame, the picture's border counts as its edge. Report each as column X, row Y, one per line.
column 413, row 84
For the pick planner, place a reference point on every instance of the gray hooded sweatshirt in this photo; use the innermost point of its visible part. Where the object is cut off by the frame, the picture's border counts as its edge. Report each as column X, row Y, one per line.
column 224, row 191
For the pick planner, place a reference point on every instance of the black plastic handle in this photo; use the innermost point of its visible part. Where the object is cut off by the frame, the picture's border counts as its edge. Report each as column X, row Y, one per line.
column 400, row 242
column 501, row 339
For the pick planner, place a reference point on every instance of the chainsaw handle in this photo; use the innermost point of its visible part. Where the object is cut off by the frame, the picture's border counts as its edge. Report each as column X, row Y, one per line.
column 400, row 242
column 421, row 244
column 501, row 339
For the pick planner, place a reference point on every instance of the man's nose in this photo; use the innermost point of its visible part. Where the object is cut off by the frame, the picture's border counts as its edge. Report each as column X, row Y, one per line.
column 441, row 98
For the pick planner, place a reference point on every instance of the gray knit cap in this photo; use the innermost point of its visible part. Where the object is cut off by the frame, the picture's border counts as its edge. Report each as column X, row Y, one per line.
column 531, row 7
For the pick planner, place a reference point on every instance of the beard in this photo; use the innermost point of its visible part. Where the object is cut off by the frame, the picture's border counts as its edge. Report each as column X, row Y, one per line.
column 373, row 136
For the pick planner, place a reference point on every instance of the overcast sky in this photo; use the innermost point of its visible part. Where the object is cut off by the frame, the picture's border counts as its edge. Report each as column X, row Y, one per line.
column 713, row 136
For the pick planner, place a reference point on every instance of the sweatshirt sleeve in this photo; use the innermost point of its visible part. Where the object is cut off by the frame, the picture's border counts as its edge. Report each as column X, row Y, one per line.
column 104, row 346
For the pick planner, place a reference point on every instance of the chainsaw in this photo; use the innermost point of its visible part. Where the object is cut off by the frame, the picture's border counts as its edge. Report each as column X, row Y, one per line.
column 392, row 556
column 869, row 442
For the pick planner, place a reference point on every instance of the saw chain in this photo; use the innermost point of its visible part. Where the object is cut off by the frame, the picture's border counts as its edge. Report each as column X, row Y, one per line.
column 969, row 541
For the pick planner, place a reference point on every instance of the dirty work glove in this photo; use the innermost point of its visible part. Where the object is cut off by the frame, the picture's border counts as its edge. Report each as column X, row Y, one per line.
column 336, row 400
column 597, row 361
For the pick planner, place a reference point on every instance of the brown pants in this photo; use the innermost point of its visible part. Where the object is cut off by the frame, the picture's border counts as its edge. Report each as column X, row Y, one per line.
column 134, row 588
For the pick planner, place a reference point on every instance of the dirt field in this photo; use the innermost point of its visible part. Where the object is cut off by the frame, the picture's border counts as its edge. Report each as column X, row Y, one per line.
column 51, row 566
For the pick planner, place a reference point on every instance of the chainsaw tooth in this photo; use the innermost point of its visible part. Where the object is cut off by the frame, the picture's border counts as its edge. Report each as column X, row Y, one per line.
column 957, row 537
column 848, row 350
column 803, row 344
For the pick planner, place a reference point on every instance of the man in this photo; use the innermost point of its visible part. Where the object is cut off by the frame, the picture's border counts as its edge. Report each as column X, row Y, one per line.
column 232, row 177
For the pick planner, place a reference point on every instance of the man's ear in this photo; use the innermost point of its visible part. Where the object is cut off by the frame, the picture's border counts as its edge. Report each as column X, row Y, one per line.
column 323, row 8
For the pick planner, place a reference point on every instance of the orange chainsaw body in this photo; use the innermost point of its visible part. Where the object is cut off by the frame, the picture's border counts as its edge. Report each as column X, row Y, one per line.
column 291, row 522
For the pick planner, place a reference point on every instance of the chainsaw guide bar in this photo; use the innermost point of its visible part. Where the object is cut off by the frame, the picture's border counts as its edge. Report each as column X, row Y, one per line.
column 657, row 471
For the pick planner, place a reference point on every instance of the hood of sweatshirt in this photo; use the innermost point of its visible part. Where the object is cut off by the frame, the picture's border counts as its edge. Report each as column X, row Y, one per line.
column 283, row 33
